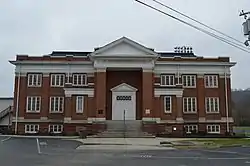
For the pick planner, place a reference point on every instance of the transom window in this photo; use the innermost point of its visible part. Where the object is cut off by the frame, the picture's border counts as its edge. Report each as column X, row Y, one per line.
column 56, row 104
column 191, row 128
column 167, row 104
column 79, row 104
column 213, row 129
column 57, row 80
column 211, row 81
column 167, row 80
column 123, row 97
column 79, row 79
column 55, row 128
column 212, row 104
column 189, row 81
column 189, row 105
column 34, row 80
column 33, row 104
column 31, row 128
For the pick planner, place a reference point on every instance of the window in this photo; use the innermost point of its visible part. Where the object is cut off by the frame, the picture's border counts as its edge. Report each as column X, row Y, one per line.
column 167, row 80
column 213, row 129
column 189, row 81
column 212, row 104
column 167, row 104
column 191, row 128
column 56, row 104
column 57, row 80
column 189, row 104
column 34, row 80
column 55, row 128
column 128, row 98
column 33, row 104
column 31, row 128
column 211, row 81
column 79, row 104
column 79, row 79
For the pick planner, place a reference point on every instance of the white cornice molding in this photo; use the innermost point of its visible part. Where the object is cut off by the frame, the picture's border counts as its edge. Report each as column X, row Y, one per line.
column 79, row 91
column 168, row 91
column 228, row 64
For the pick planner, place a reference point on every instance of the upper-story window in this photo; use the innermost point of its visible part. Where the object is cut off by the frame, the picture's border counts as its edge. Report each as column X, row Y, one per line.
column 79, row 79
column 57, row 80
column 212, row 104
column 167, row 104
column 189, row 81
column 211, row 81
column 34, row 80
column 189, row 105
column 33, row 104
column 56, row 104
column 167, row 80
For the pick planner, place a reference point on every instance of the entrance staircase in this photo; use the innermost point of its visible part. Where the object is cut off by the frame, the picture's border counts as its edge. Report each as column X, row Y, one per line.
column 123, row 129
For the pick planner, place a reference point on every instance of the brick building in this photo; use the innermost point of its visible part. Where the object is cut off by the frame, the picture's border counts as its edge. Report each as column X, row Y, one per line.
column 166, row 91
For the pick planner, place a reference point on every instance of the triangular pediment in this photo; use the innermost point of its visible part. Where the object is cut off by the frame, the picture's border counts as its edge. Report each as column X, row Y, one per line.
column 123, row 88
column 124, row 47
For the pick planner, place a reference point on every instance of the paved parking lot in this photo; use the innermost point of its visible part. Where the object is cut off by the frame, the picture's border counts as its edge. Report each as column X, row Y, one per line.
column 52, row 152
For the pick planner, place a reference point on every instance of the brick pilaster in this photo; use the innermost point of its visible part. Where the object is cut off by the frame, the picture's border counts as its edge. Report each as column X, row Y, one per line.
column 45, row 95
column 179, row 113
column 148, row 93
column 100, row 93
column 201, row 97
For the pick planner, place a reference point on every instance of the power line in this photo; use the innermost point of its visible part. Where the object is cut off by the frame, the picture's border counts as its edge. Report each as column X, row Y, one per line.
column 193, row 26
column 199, row 22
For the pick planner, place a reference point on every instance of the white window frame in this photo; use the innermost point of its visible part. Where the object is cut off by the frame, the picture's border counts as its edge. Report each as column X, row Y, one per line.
column 28, row 127
column 187, row 79
column 212, row 101
column 81, row 77
column 34, row 80
column 165, row 106
column 56, row 102
column 211, row 81
column 55, row 128
column 37, row 100
column 57, row 82
column 191, row 128
column 171, row 79
column 78, row 110
column 193, row 105
column 211, row 127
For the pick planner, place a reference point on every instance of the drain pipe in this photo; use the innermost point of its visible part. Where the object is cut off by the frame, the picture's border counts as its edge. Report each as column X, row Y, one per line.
column 226, row 98
column 17, row 98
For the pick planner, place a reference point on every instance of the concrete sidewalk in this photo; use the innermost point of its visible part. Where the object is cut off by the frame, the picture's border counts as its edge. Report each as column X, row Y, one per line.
column 129, row 141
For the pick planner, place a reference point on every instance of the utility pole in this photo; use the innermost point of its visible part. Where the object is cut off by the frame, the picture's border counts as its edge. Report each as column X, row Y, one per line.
column 246, row 26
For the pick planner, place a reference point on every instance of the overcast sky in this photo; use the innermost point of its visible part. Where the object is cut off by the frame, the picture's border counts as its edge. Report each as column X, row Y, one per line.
column 39, row 27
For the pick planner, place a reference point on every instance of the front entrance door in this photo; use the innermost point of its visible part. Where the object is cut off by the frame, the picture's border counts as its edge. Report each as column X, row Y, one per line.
column 124, row 102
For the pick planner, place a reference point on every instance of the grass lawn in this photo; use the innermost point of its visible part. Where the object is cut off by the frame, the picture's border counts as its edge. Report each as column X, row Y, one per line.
column 224, row 141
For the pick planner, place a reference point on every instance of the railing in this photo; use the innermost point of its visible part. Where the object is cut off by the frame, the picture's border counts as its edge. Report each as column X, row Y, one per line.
column 5, row 112
column 124, row 124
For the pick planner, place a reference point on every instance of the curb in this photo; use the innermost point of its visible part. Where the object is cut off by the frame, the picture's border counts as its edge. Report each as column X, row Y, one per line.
column 105, row 144
column 50, row 137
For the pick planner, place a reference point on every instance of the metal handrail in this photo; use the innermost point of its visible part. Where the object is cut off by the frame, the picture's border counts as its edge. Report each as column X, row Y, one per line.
column 124, row 124
column 5, row 111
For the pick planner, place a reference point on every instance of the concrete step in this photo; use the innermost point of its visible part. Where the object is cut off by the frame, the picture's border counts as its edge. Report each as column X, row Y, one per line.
column 113, row 134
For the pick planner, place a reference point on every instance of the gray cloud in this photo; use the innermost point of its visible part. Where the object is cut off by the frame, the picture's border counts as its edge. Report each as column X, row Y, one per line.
column 39, row 27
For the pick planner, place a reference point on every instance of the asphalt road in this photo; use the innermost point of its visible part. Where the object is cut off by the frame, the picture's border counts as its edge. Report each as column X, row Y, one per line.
column 53, row 152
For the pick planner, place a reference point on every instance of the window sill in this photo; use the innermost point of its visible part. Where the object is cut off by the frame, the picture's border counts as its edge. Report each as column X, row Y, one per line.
column 53, row 86
column 213, row 132
column 211, row 87
column 213, row 112
column 167, row 112
column 33, row 112
column 52, row 112
column 189, row 87
column 31, row 132
column 34, row 86
column 190, row 112
column 167, row 86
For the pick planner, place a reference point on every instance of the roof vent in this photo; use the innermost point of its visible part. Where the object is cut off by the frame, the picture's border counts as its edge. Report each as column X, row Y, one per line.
column 183, row 49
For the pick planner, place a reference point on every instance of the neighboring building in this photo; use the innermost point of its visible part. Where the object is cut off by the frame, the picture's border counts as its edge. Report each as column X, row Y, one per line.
column 167, row 91
column 6, row 105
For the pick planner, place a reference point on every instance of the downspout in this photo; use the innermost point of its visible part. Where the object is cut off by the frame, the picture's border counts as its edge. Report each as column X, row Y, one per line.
column 226, row 98
column 17, row 98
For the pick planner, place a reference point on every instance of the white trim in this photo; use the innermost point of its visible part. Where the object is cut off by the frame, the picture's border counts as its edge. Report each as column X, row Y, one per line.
column 168, row 92
column 82, row 77
column 192, row 106
column 207, row 79
column 28, row 126
column 34, row 80
column 79, row 91
column 196, row 63
column 57, row 127
column 212, row 107
column 43, row 118
column 165, row 83
column 56, row 98
column 96, row 119
column 53, row 78
column 124, row 88
column 188, row 78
